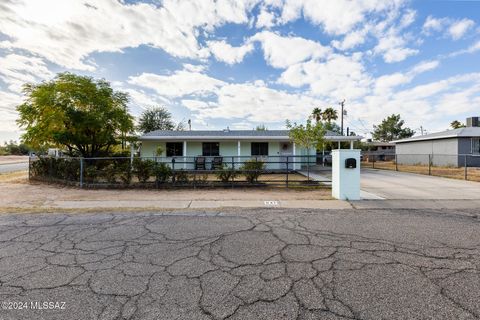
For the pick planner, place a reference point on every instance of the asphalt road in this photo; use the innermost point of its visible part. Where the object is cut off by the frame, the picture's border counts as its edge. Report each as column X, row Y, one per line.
column 12, row 167
column 256, row 264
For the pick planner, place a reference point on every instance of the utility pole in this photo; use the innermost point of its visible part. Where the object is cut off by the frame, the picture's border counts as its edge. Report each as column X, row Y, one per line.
column 342, row 105
column 421, row 129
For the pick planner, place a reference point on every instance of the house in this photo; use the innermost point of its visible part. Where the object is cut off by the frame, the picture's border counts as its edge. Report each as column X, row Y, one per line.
column 447, row 148
column 378, row 151
column 231, row 147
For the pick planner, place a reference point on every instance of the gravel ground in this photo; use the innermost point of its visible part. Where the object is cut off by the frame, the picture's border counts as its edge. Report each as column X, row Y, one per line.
column 242, row 264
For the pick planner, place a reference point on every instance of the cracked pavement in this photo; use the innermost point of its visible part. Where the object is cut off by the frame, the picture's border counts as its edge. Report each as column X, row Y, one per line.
column 244, row 264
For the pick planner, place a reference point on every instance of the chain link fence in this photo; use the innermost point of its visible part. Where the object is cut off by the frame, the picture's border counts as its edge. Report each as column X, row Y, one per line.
column 463, row 166
column 167, row 172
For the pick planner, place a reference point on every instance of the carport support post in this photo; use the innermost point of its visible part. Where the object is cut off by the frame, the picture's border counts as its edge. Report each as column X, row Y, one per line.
column 81, row 172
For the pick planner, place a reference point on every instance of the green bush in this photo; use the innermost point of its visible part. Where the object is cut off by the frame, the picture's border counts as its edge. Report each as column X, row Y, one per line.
column 110, row 173
column 181, row 176
column 252, row 170
column 162, row 172
column 125, row 170
column 90, row 173
column 143, row 169
column 226, row 174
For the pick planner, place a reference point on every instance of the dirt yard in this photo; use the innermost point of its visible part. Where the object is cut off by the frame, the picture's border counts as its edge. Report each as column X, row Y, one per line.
column 18, row 192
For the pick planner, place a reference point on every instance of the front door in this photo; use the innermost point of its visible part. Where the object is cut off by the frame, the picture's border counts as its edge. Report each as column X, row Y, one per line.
column 286, row 149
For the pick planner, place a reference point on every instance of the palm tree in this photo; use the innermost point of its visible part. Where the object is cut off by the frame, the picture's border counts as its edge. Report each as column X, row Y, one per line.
column 317, row 114
column 456, row 124
column 330, row 114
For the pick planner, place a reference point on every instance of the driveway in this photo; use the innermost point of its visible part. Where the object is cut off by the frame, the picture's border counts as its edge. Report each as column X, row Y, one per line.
column 400, row 185
column 248, row 264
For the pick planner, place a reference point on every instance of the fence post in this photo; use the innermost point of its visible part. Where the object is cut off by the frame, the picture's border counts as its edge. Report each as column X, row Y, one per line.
column 173, row 170
column 81, row 172
column 287, row 172
column 466, row 170
column 29, row 165
column 429, row 164
column 396, row 162
column 373, row 161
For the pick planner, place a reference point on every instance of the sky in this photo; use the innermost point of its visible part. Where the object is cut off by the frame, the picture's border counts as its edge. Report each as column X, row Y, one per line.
column 243, row 63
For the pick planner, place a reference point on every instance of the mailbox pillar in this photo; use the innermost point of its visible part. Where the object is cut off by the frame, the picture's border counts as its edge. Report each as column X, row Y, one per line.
column 346, row 174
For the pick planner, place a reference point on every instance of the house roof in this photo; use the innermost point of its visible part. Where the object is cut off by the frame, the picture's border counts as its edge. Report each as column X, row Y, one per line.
column 233, row 135
column 467, row 132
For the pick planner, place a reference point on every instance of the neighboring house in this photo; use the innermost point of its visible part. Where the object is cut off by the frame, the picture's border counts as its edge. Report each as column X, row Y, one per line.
column 379, row 151
column 447, row 148
column 230, row 146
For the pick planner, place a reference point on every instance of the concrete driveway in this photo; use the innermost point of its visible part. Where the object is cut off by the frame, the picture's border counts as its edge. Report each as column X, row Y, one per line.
column 408, row 186
column 245, row 264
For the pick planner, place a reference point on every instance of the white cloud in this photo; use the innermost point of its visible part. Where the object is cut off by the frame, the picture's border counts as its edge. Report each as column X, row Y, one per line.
column 392, row 48
column 351, row 40
column 8, row 113
column 210, row 98
column 265, row 19
column 339, row 76
column 194, row 67
column 66, row 32
column 458, row 29
column 226, row 53
column 455, row 29
column 434, row 24
column 17, row 70
column 180, row 83
column 336, row 17
column 282, row 52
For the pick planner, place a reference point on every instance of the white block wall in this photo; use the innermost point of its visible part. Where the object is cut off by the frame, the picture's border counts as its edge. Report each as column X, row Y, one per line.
column 345, row 182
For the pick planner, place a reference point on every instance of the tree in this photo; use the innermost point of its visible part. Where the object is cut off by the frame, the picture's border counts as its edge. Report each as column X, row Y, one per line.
column 261, row 128
column 330, row 114
column 317, row 114
column 309, row 136
column 456, row 124
column 390, row 129
column 156, row 118
column 84, row 115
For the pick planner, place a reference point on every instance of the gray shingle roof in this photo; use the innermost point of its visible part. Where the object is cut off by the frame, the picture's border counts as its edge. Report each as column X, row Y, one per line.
column 467, row 132
column 223, row 133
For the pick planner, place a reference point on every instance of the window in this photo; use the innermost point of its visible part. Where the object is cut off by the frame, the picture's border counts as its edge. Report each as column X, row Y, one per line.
column 259, row 149
column 475, row 145
column 174, row 149
column 211, row 149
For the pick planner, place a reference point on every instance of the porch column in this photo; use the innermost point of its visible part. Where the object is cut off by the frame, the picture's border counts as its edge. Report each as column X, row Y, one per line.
column 338, row 145
column 294, row 158
column 238, row 152
column 184, row 154
column 351, row 144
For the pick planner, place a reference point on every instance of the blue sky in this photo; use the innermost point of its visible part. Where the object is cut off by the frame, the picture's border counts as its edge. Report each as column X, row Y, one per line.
column 242, row 63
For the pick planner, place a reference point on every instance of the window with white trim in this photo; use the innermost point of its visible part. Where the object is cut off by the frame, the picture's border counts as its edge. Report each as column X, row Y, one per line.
column 475, row 145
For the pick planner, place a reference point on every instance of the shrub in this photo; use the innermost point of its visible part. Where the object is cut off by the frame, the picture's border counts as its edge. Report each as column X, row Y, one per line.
column 90, row 173
column 252, row 170
column 162, row 172
column 181, row 176
column 110, row 173
column 226, row 174
column 143, row 169
column 125, row 170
